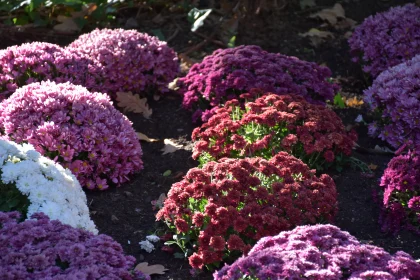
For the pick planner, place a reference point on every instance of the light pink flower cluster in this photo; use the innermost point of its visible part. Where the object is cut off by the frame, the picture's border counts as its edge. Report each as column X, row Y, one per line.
column 34, row 62
column 126, row 60
column 77, row 128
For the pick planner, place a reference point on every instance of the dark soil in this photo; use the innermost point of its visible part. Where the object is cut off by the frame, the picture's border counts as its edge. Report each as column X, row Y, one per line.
column 126, row 213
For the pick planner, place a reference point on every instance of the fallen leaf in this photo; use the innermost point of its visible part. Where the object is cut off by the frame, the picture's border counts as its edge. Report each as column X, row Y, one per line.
column 186, row 62
column 159, row 202
column 345, row 23
column 133, row 103
column 150, row 269
column 307, row 4
column 177, row 175
column 144, row 137
column 170, row 147
column 317, row 37
column 167, row 173
column 383, row 149
column 353, row 101
column 330, row 15
column 67, row 25
column 372, row 166
column 172, row 85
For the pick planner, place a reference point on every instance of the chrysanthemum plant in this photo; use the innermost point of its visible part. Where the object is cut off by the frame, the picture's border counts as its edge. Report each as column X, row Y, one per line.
column 218, row 212
column 274, row 123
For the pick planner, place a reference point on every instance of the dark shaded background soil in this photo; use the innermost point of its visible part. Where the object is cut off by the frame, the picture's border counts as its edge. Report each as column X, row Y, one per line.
column 126, row 213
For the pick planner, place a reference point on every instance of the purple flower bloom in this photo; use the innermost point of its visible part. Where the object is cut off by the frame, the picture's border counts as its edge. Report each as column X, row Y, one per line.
column 79, row 129
column 401, row 185
column 387, row 39
column 126, row 60
column 319, row 252
column 396, row 94
column 61, row 252
column 227, row 73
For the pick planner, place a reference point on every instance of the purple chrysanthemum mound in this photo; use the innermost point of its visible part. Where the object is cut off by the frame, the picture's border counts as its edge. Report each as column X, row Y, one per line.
column 401, row 198
column 227, row 73
column 319, row 252
column 47, row 249
column 77, row 128
column 387, row 39
column 395, row 94
column 126, row 60
column 35, row 62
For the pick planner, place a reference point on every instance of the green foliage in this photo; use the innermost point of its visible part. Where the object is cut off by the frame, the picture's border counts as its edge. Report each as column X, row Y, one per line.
column 11, row 199
column 338, row 101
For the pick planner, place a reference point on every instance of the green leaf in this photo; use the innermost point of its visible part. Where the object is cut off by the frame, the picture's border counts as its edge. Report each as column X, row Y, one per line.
column 169, row 243
column 231, row 43
column 338, row 101
column 158, row 33
column 22, row 20
column 34, row 4
column 167, row 173
column 179, row 256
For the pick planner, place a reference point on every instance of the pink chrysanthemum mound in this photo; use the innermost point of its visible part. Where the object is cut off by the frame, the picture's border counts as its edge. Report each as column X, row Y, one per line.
column 387, row 39
column 47, row 249
column 395, row 95
column 35, row 62
column 225, row 207
column 319, row 252
column 126, row 60
column 227, row 73
column 401, row 197
column 77, row 128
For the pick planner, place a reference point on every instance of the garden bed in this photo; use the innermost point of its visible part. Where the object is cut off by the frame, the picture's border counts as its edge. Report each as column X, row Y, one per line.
column 126, row 213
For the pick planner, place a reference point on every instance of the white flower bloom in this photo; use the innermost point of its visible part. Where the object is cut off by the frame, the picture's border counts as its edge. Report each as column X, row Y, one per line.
column 147, row 246
column 50, row 188
column 153, row 238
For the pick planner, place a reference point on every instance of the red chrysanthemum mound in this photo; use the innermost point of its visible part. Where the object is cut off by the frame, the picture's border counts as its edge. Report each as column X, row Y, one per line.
column 127, row 60
column 273, row 123
column 35, row 62
column 227, row 73
column 41, row 248
column 77, row 128
column 321, row 252
column 225, row 207
column 401, row 197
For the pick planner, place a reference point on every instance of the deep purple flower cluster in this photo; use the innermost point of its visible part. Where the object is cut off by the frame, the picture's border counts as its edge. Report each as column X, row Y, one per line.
column 77, row 128
column 387, row 39
column 227, row 73
column 401, row 185
column 34, row 62
column 395, row 93
column 47, row 249
column 319, row 252
column 126, row 60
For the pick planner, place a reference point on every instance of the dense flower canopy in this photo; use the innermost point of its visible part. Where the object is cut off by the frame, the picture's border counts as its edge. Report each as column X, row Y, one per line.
column 47, row 249
column 227, row 73
column 126, row 60
column 319, row 252
column 77, row 128
column 387, row 39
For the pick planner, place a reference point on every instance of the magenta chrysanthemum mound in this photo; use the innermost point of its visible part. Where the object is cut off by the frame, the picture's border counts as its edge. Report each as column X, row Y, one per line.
column 319, row 252
column 273, row 123
column 46, row 249
column 387, row 39
column 35, row 62
column 126, row 60
column 79, row 129
column 401, row 193
column 226, row 206
column 395, row 94
column 227, row 73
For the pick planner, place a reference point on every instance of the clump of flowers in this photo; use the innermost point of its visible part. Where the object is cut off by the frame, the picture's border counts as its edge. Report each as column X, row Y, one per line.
column 395, row 97
column 126, row 60
column 77, row 128
column 32, row 183
column 221, row 210
column 147, row 244
column 273, row 123
column 319, row 252
column 401, row 193
column 47, row 249
column 35, row 62
column 387, row 39
column 227, row 73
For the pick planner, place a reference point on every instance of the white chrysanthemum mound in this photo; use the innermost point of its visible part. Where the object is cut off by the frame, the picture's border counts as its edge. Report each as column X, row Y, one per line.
column 50, row 188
